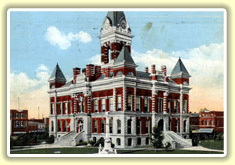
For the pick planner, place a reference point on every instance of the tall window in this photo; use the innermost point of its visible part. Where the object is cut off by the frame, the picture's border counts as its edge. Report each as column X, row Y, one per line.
column 119, row 103
column 145, row 104
column 212, row 122
column 95, row 126
column 103, row 105
column 110, row 126
column 96, row 105
column 103, row 126
column 147, row 126
column 52, row 126
column 184, row 106
column 118, row 141
column 137, row 103
column 175, row 106
column 61, row 108
column 119, row 126
column 169, row 106
column 52, row 108
column 129, row 106
column 160, row 105
column 66, row 108
column 111, row 104
column 65, row 126
column 129, row 126
column 207, row 122
column 138, row 125
column 60, row 125
column 202, row 122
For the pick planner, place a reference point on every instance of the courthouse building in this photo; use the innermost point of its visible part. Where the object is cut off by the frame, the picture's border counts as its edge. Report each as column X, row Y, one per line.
column 136, row 101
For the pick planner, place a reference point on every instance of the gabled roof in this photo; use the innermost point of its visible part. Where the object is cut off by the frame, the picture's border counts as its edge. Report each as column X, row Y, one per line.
column 57, row 75
column 124, row 56
column 115, row 17
column 179, row 69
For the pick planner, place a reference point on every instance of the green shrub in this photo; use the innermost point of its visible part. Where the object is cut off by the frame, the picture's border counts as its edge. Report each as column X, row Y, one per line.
column 167, row 146
column 220, row 136
column 82, row 143
column 50, row 139
column 91, row 142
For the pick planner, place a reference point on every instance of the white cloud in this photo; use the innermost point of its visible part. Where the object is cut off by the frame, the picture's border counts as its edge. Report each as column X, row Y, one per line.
column 32, row 92
column 56, row 37
column 206, row 66
column 96, row 59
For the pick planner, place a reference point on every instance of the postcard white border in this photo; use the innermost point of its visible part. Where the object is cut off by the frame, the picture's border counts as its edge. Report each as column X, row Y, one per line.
column 117, row 9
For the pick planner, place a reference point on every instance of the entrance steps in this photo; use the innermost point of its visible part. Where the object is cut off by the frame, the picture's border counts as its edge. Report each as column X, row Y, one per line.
column 70, row 139
column 176, row 140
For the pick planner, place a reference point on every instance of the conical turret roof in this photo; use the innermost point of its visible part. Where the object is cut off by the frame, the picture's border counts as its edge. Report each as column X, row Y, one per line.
column 57, row 75
column 179, row 69
column 125, row 56
column 116, row 17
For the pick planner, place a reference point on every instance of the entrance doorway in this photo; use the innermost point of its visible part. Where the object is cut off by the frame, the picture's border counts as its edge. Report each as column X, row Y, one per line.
column 160, row 124
column 79, row 126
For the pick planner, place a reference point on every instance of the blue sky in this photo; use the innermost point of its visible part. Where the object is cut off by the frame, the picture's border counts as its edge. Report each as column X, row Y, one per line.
column 160, row 36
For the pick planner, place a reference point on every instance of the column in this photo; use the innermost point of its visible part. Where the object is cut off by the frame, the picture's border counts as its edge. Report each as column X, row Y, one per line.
column 56, row 127
column 124, row 98
column 165, row 102
column 114, row 100
column 181, row 111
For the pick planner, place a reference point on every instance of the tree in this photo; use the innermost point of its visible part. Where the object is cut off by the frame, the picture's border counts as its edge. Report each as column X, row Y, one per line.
column 157, row 137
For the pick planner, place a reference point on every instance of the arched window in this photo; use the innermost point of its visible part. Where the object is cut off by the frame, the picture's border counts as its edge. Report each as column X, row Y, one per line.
column 202, row 122
column 118, row 141
column 119, row 73
column 130, row 74
column 118, row 126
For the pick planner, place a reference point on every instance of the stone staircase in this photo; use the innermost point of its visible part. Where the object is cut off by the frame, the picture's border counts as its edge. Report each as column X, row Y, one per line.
column 70, row 139
column 176, row 140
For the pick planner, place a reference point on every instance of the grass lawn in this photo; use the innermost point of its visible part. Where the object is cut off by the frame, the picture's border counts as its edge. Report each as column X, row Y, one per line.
column 95, row 150
column 213, row 144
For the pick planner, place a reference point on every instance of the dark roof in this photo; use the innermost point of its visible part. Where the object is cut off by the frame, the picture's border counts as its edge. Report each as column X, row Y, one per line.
column 115, row 17
column 140, row 74
column 179, row 68
column 57, row 75
column 124, row 56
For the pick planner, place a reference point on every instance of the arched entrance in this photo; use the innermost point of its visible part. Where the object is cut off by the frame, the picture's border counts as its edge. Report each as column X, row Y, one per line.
column 160, row 124
column 80, row 125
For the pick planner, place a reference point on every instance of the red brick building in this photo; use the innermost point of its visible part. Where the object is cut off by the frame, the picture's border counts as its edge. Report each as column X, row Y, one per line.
column 194, row 121
column 135, row 100
column 212, row 119
column 19, row 121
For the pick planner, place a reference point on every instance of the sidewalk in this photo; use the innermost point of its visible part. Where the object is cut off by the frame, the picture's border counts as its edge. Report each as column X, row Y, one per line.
column 200, row 148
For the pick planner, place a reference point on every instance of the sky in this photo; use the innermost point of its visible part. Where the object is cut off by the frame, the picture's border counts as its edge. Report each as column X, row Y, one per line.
column 40, row 39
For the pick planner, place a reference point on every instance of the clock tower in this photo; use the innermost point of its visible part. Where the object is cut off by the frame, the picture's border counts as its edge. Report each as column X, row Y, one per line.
column 115, row 34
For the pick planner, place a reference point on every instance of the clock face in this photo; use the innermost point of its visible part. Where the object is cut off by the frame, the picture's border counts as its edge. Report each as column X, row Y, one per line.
column 123, row 24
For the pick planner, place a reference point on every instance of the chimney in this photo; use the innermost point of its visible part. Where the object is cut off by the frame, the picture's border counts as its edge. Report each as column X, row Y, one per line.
column 163, row 67
column 153, row 69
column 146, row 69
column 89, row 70
column 98, row 70
column 76, row 72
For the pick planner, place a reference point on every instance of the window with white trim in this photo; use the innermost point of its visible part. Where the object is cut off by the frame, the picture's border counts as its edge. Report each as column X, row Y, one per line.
column 129, row 105
column 95, row 126
column 146, row 107
column 118, row 126
column 103, row 105
column 119, row 103
column 96, row 105
column 111, row 104
column 160, row 105
column 137, row 103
